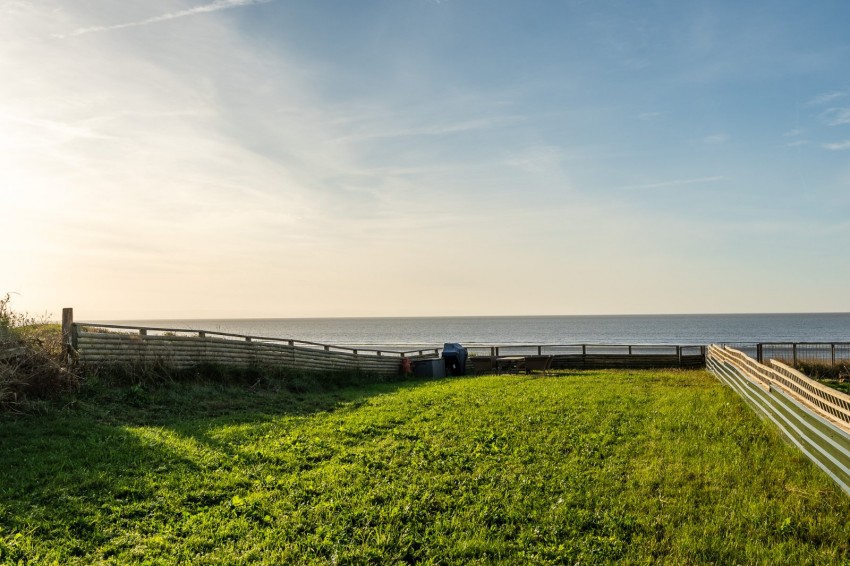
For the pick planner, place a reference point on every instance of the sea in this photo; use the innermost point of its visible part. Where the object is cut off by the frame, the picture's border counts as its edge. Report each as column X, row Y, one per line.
column 410, row 333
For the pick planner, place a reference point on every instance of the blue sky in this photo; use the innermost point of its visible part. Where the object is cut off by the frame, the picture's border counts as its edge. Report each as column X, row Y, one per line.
column 410, row 157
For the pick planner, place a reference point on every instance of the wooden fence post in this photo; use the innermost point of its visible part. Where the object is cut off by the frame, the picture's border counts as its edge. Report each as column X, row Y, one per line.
column 69, row 332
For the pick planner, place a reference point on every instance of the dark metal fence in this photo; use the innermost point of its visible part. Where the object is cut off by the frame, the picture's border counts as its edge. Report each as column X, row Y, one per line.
column 830, row 354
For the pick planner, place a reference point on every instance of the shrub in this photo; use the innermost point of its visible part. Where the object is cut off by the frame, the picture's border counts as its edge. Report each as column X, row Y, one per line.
column 30, row 359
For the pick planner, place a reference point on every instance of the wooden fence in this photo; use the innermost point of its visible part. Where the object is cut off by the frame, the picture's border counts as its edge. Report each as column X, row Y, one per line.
column 104, row 344
column 814, row 417
column 101, row 344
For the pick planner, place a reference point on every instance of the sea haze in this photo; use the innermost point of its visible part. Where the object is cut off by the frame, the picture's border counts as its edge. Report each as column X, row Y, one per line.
column 508, row 330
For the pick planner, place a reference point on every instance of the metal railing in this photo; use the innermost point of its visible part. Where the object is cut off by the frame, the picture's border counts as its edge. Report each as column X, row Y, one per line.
column 831, row 354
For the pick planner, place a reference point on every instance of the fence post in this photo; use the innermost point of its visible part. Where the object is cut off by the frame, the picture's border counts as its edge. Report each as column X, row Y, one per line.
column 679, row 354
column 833, row 355
column 539, row 350
column 69, row 334
column 794, row 350
column 759, row 353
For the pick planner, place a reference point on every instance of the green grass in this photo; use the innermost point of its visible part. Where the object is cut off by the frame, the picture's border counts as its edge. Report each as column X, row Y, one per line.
column 582, row 467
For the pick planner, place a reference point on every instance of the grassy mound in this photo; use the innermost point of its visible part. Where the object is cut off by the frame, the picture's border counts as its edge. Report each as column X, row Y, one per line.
column 580, row 467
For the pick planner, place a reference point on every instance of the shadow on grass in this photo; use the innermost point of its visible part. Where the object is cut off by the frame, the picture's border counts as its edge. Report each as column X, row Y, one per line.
column 90, row 467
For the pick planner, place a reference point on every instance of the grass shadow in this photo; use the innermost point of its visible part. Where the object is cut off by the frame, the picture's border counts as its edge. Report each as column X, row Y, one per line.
column 114, row 458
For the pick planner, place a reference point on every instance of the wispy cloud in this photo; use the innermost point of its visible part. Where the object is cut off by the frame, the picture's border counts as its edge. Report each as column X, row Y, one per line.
column 435, row 129
column 836, row 116
column 674, row 183
column 203, row 9
column 537, row 159
column 797, row 143
column 716, row 139
column 828, row 97
column 647, row 116
column 792, row 133
column 837, row 146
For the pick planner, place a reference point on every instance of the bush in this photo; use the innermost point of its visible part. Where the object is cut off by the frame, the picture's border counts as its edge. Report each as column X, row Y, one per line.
column 30, row 359
column 825, row 371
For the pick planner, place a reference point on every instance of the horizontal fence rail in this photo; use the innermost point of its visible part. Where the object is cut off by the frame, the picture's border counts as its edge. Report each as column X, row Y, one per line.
column 814, row 417
column 182, row 332
column 103, row 344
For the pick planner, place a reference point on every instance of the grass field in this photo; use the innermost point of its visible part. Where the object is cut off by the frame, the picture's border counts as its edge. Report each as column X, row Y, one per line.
column 581, row 467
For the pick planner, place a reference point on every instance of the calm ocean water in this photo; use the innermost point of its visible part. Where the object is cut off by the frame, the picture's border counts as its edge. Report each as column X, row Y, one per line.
column 507, row 330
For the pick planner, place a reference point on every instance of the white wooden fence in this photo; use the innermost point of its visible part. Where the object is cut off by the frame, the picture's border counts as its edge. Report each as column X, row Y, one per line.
column 814, row 417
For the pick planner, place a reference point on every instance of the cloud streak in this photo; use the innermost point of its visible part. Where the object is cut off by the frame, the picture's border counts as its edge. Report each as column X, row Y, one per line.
column 216, row 6
column 828, row 97
column 838, row 146
column 837, row 116
column 675, row 183
column 715, row 139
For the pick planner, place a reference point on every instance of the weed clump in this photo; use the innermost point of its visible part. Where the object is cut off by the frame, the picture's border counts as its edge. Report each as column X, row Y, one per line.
column 31, row 366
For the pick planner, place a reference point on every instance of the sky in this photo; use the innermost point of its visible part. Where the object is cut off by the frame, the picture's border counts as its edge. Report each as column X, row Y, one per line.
column 295, row 158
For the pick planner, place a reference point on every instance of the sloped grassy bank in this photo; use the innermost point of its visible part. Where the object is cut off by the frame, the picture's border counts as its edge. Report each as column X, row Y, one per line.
column 590, row 467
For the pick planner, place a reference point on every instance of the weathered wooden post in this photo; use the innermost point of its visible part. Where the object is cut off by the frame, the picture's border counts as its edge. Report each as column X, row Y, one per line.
column 69, row 334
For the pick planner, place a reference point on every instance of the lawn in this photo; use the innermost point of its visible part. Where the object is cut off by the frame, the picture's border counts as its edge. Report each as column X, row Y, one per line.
column 580, row 467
